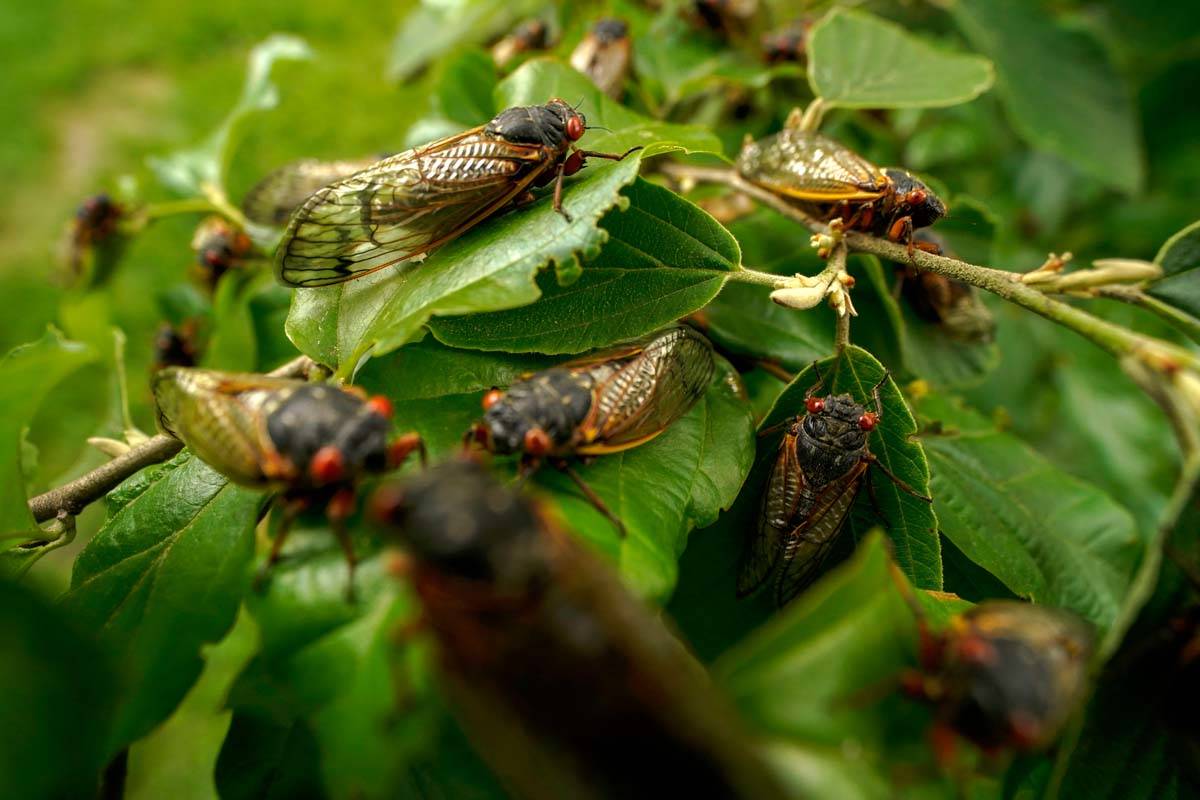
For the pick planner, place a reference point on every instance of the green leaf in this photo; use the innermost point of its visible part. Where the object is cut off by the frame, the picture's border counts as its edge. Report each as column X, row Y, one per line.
column 664, row 259
column 263, row 759
column 189, row 171
column 233, row 346
column 1179, row 258
column 493, row 266
column 164, row 576
column 57, row 703
column 1060, row 88
column 435, row 27
column 27, row 375
column 846, row 642
column 856, row 60
column 1048, row 536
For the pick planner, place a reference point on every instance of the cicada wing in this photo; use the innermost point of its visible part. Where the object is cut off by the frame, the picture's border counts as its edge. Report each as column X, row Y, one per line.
column 649, row 391
column 274, row 199
column 810, row 167
column 807, row 544
column 779, row 507
column 402, row 207
column 220, row 417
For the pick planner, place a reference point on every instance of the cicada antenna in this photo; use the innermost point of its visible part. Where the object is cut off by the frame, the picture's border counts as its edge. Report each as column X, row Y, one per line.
column 816, row 387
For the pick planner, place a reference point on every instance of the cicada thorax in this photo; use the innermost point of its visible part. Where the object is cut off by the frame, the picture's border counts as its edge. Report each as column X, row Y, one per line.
column 1007, row 675
column 604, row 55
column 828, row 180
column 565, row 682
column 555, row 402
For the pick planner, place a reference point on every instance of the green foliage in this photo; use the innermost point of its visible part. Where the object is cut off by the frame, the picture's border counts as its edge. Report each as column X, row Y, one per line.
column 1050, row 470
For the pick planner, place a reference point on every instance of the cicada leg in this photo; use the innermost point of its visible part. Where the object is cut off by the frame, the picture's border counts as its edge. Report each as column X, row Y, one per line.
column 339, row 509
column 290, row 508
column 896, row 479
column 403, row 446
column 591, row 495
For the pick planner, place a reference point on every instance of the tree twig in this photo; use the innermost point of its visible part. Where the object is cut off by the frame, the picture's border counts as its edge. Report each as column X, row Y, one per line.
column 73, row 497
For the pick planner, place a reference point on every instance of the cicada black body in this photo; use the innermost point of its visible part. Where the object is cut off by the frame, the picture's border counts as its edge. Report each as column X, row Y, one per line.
column 952, row 305
column 822, row 462
column 565, row 682
column 219, row 247
column 528, row 37
column 404, row 206
column 1004, row 675
column 309, row 442
column 177, row 345
column 603, row 403
column 605, row 55
column 830, row 181
column 90, row 234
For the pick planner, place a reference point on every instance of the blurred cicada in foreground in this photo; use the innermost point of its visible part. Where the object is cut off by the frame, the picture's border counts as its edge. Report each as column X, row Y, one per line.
column 1004, row 675
column 602, row 403
column 405, row 206
column 952, row 305
column 310, row 442
column 604, row 55
column 566, row 683
column 830, row 181
column 821, row 464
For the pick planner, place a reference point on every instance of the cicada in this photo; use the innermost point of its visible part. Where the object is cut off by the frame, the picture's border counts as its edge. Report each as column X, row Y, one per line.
column 530, row 36
column 828, row 181
column 567, row 684
column 219, row 247
column 952, row 305
column 788, row 44
column 274, row 199
column 822, row 463
column 603, row 403
column 309, row 442
column 177, row 345
column 92, row 236
column 730, row 18
column 405, row 206
column 1004, row 675
column 604, row 55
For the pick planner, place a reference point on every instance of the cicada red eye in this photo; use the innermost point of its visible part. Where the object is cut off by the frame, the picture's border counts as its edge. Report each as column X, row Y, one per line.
column 491, row 398
column 537, row 442
column 916, row 197
column 868, row 421
column 575, row 128
column 573, row 164
column 327, row 465
column 381, row 406
column 815, row 405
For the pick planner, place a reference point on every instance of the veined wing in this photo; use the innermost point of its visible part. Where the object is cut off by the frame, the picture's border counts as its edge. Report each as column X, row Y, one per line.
column 779, row 506
column 219, row 416
column 273, row 199
column 653, row 389
column 807, row 544
column 403, row 207
column 810, row 167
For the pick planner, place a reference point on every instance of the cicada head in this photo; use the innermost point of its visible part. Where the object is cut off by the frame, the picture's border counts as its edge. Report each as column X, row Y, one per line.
column 1012, row 673
column 914, row 199
column 553, row 125
column 832, row 435
column 458, row 519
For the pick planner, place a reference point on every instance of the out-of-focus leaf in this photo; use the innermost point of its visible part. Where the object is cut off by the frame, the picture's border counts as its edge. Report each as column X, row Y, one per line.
column 435, row 26
column 27, row 375
column 266, row 760
column 493, row 266
column 1179, row 286
column 664, row 259
column 465, row 89
column 57, row 702
column 233, row 346
column 164, row 576
column 1060, row 88
column 857, row 60
column 1046, row 535
column 188, row 171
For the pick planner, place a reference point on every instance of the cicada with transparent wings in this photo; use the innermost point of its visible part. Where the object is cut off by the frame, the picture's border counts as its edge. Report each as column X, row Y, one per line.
column 402, row 207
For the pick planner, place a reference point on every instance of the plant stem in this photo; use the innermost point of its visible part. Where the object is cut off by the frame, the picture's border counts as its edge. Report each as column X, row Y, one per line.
column 757, row 278
column 1182, row 321
column 192, row 205
column 73, row 497
column 841, row 335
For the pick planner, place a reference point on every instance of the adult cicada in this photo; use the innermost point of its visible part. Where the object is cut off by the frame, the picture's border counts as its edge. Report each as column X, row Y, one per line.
column 404, row 206
column 789, row 44
column 310, row 442
column 953, row 306
column 1003, row 675
column 822, row 463
column 219, row 247
column 830, row 181
column 274, row 199
column 604, row 55
column 567, row 684
column 528, row 37
column 602, row 403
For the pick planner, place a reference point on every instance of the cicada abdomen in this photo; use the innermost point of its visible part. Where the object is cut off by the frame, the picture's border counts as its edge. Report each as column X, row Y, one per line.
column 566, row 683
column 829, row 180
column 603, row 403
column 274, row 199
column 404, row 206
column 311, row 443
